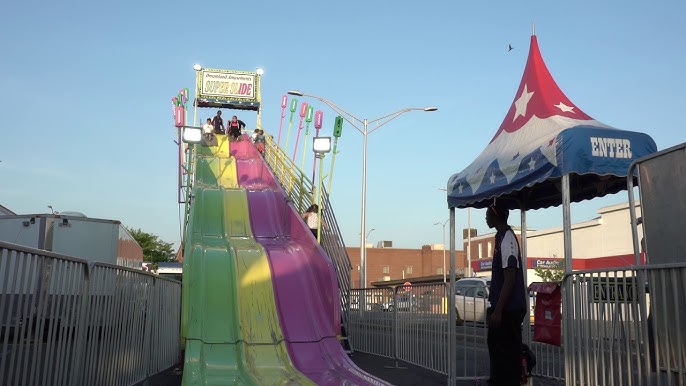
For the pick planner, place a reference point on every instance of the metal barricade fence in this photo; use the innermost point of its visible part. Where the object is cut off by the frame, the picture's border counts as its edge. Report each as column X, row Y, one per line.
column 421, row 326
column 470, row 341
column 550, row 361
column 408, row 324
column 613, row 338
column 411, row 324
column 370, row 327
column 620, row 327
column 65, row 323
column 164, row 326
column 42, row 303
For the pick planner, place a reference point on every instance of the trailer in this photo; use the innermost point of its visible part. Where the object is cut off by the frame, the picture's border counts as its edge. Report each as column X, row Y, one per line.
column 31, row 286
column 74, row 234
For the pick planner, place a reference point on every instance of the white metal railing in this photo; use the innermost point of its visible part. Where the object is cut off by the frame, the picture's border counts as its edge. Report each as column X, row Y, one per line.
column 550, row 361
column 370, row 329
column 63, row 322
column 623, row 326
column 416, row 330
column 405, row 324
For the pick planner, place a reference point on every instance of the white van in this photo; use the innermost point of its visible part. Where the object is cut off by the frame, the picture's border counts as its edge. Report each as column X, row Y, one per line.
column 471, row 299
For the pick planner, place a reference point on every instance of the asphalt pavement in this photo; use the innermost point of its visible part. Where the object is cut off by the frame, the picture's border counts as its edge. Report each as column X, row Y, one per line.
column 399, row 374
column 402, row 375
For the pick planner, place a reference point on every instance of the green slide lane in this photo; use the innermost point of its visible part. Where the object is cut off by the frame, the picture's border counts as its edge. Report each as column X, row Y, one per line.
column 230, row 323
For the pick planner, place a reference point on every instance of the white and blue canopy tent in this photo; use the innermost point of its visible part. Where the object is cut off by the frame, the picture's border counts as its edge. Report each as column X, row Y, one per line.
column 546, row 152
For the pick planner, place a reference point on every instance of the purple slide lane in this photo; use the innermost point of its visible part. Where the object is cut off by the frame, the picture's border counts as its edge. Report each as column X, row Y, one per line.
column 303, row 276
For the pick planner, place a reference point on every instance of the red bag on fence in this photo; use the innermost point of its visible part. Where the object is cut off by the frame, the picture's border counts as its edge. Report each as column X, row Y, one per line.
column 548, row 318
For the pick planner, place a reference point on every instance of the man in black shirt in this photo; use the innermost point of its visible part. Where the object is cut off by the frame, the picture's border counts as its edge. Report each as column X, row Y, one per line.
column 218, row 123
column 507, row 299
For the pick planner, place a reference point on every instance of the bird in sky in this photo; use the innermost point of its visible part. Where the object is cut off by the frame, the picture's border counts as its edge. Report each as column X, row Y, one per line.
column 509, row 47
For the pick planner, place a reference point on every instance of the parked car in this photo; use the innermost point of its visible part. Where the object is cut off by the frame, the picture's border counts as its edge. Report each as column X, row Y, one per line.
column 369, row 306
column 471, row 299
column 406, row 302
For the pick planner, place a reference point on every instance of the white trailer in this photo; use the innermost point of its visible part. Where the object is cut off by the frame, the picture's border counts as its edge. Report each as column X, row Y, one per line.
column 40, row 286
column 73, row 234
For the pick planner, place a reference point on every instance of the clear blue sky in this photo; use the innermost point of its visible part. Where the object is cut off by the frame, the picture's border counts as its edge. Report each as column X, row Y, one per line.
column 86, row 88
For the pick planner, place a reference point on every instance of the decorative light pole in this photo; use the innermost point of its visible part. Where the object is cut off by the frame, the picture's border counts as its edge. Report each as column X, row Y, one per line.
column 259, row 71
column 354, row 121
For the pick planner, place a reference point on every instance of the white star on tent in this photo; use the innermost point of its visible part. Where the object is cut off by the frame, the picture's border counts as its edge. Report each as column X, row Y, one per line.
column 522, row 102
column 564, row 107
column 492, row 177
column 532, row 163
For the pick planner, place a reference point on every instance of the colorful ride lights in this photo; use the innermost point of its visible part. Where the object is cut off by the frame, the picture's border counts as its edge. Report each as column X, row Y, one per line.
column 338, row 127
column 318, row 118
column 179, row 107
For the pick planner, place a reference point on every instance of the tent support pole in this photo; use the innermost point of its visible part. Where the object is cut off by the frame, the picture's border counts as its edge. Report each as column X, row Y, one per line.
column 525, row 267
column 452, row 366
column 566, row 283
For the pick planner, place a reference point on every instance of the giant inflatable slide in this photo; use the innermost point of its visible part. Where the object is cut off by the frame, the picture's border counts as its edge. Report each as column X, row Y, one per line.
column 260, row 296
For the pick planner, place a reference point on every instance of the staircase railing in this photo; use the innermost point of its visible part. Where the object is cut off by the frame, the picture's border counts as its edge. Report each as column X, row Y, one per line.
column 301, row 190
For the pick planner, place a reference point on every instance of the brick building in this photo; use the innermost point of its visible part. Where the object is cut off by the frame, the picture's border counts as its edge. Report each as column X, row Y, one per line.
column 391, row 264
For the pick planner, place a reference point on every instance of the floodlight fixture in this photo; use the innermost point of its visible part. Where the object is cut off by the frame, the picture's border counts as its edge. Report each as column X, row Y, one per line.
column 321, row 145
column 192, row 134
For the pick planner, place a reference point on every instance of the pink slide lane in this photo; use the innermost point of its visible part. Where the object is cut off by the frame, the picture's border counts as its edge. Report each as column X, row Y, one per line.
column 303, row 276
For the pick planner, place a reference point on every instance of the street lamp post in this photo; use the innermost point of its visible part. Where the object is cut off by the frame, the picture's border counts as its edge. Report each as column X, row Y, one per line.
column 368, row 233
column 443, row 225
column 351, row 119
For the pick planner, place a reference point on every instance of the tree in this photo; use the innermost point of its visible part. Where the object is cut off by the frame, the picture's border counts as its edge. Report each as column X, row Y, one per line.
column 154, row 249
column 554, row 273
